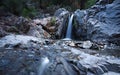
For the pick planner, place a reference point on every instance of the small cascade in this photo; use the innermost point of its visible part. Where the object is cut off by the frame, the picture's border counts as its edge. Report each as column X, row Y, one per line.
column 69, row 28
column 43, row 66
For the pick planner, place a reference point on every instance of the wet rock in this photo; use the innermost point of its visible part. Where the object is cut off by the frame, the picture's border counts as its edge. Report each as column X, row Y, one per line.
column 96, row 70
column 115, row 39
column 111, row 73
column 67, row 67
column 4, row 62
column 62, row 14
column 87, row 44
column 72, row 44
column 80, row 26
column 80, row 14
column 62, row 26
column 63, row 60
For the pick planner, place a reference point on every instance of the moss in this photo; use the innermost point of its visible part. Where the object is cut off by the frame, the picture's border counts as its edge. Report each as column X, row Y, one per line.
column 28, row 12
column 89, row 3
column 53, row 21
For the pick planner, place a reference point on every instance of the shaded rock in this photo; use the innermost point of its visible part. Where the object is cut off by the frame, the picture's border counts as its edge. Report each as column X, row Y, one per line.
column 62, row 26
column 61, row 12
column 79, row 25
column 104, row 1
column 2, row 32
column 23, row 24
column 100, row 23
column 63, row 15
column 111, row 73
column 49, row 24
column 38, row 32
column 107, row 23
column 12, row 24
column 79, row 16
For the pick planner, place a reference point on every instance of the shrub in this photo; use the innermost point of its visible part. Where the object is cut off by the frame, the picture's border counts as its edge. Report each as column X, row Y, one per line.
column 89, row 3
column 53, row 21
column 19, row 7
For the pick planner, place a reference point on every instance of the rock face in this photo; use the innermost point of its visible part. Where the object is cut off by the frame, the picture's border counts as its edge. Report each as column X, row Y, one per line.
column 62, row 14
column 80, row 24
column 103, row 22
column 38, row 31
column 13, row 24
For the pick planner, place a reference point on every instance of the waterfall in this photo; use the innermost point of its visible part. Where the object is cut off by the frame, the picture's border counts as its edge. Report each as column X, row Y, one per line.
column 69, row 28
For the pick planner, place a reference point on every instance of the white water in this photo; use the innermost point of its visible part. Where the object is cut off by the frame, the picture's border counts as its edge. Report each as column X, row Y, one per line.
column 69, row 29
column 43, row 66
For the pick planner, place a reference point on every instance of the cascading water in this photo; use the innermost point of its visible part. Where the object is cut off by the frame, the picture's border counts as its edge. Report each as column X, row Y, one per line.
column 43, row 66
column 69, row 28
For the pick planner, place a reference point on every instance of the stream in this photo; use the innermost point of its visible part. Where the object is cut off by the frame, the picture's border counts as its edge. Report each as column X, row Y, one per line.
column 56, row 59
column 97, row 52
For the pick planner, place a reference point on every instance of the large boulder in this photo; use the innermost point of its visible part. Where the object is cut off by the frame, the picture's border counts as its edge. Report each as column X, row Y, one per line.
column 49, row 24
column 103, row 22
column 62, row 14
column 38, row 32
column 79, row 26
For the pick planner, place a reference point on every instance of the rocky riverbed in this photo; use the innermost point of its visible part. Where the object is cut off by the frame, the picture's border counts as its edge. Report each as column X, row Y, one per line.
column 25, row 57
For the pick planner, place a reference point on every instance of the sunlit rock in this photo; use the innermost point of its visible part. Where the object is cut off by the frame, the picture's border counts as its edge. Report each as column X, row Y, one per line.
column 87, row 44
column 13, row 40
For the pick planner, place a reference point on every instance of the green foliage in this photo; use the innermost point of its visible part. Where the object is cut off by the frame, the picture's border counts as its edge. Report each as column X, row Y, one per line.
column 27, row 8
column 89, row 3
column 19, row 7
column 28, row 12
column 53, row 21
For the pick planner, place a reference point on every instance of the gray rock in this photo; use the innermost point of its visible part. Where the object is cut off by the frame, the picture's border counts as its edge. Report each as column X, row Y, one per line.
column 14, row 40
column 103, row 23
column 79, row 27
column 61, row 12
column 108, row 23
column 38, row 32
column 87, row 44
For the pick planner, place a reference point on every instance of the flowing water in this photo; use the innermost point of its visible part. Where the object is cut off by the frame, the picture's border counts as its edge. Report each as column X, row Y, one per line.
column 69, row 29
column 43, row 66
